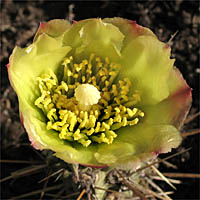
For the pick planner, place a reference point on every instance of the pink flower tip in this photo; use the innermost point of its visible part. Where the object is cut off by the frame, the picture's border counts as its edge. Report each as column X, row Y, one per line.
column 8, row 65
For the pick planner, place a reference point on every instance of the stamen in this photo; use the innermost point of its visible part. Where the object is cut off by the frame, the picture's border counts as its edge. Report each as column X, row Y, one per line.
column 90, row 103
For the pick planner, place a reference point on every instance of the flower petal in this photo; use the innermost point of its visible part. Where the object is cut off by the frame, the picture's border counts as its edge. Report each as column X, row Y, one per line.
column 175, row 108
column 105, row 39
column 53, row 28
column 147, row 63
column 41, row 138
column 134, row 145
column 129, row 28
column 145, row 60
column 111, row 154
column 27, row 64
column 149, row 138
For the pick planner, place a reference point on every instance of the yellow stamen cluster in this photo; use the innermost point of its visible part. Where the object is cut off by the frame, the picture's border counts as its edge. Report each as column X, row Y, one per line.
column 98, row 122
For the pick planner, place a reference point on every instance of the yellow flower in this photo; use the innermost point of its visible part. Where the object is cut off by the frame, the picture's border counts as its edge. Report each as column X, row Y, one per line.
column 99, row 92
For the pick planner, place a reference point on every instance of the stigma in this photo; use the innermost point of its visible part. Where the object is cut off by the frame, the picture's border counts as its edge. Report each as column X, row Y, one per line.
column 87, row 95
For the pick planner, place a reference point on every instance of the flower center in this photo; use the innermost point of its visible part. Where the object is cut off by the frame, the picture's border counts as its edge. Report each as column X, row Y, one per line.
column 87, row 95
column 88, row 102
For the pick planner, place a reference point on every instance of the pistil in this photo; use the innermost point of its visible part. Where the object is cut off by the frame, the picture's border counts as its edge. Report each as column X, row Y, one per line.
column 86, row 95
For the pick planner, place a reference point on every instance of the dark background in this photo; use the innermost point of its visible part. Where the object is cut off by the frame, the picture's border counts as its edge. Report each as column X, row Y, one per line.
column 19, row 22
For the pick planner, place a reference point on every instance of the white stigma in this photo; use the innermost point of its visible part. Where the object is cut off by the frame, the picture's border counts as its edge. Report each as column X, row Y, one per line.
column 87, row 95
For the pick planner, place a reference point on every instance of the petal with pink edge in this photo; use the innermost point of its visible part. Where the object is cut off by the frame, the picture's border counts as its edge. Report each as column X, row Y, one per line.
column 53, row 28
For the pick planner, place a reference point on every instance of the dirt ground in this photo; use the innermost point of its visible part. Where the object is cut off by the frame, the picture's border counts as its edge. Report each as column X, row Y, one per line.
column 19, row 22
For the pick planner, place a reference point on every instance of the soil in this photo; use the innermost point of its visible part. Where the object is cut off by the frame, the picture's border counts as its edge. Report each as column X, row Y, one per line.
column 19, row 22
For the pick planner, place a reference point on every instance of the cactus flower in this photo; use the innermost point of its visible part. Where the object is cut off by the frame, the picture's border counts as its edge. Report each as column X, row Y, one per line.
column 99, row 92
